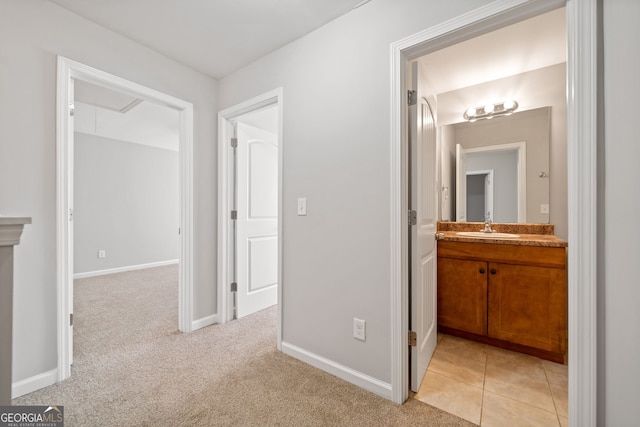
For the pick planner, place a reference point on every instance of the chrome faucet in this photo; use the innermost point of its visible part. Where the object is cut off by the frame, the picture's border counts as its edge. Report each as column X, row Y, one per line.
column 487, row 224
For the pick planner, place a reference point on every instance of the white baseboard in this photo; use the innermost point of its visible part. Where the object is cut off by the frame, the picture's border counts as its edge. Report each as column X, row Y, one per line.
column 122, row 269
column 29, row 385
column 364, row 381
column 205, row 321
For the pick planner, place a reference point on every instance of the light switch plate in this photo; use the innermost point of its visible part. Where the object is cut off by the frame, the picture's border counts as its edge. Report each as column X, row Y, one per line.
column 544, row 208
column 302, row 206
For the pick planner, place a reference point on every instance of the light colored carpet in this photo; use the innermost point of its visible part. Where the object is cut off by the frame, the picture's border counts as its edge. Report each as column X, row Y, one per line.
column 133, row 368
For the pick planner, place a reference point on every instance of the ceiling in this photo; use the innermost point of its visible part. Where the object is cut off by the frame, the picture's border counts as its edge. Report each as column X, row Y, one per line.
column 529, row 45
column 109, row 114
column 220, row 36
column 215, row 37
column 265, row 119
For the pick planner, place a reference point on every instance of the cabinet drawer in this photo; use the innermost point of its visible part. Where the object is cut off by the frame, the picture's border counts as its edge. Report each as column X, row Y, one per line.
column 508, row 254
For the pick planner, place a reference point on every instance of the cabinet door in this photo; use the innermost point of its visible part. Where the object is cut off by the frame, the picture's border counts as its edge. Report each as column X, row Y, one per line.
column 462, row 295
column 528, row 305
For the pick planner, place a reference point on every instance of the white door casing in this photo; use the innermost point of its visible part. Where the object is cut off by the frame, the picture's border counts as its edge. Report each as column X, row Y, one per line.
column 461, row 183
column 582, row 138
column 257, row 223
column 226, row 121
column 422, row 140
column 68, row 71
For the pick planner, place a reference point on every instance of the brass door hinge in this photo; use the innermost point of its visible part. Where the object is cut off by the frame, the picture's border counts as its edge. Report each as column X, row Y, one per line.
column 412, row 339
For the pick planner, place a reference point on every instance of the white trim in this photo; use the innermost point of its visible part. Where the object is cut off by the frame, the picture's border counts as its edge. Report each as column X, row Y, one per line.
column 36, row 382
column 205, row 321
column 68, row 70
column 521, row 149
column 582, row 176
column 123, row 269
column 358, row 378
column 225, row 118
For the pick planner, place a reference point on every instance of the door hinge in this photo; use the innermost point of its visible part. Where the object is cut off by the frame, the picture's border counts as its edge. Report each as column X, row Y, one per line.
column 412, row 339
column 234, row 287
column 70, row 214
column 234, row 214
column 72, row 110
column 70, row 319
column 234, row 142
column 413, row 217
column 412, row 97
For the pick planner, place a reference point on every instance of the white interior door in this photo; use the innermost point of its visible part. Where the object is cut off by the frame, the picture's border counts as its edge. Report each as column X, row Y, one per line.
column 257, row 223
column 423, row 152
column 461, row 183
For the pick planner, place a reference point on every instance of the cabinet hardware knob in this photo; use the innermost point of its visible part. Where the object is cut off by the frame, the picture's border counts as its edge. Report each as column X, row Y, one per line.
column 482, row 271
column 493, row 271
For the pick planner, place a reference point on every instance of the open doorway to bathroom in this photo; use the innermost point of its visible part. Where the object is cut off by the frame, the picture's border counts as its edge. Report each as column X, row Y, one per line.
column 449, row 363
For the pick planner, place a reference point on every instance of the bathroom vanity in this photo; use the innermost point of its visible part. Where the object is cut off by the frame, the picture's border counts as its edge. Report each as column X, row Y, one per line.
column 507, row 290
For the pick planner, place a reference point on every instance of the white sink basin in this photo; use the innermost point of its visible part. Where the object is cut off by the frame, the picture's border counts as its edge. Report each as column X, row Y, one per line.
column 483, row 235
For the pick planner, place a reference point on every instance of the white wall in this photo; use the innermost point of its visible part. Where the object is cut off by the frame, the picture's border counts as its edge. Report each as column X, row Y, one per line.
column 125, row 202
column 619, row 244
column 32, row 33
column 336, row 117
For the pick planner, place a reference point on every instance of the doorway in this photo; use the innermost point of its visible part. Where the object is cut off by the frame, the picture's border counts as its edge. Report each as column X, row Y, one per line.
column 68, row 72
column 480, row 195
column 582, row 138
column 250, row 207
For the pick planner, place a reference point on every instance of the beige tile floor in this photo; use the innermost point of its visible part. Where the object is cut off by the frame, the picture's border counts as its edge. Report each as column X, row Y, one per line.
column 490, row 386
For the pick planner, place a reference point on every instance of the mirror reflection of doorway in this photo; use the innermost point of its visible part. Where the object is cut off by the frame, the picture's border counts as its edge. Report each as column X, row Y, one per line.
column 508, row 188
column 479, row 195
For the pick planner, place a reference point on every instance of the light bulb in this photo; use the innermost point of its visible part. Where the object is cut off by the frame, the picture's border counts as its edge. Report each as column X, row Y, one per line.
column 488, row 109
column 508, row 105
column 471, row 112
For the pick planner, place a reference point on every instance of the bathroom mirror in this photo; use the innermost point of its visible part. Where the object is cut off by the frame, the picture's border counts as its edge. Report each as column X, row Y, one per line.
column 497, row 167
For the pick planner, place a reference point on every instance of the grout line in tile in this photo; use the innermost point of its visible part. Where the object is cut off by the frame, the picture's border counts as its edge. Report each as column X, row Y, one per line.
column 525, row 404
column 553, row 397
column 484, row 381
column 509, row 398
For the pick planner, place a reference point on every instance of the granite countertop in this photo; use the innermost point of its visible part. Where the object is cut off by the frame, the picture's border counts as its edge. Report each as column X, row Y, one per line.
column 530, row 234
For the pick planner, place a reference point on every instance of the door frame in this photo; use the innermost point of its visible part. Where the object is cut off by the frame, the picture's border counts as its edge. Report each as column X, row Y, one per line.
column 225, row 122
column 582, row 125
column 68, row 70
column 488, row 188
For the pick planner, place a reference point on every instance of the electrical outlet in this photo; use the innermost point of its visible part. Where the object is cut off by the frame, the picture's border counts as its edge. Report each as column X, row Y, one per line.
column 359, row 329
column 102, row 254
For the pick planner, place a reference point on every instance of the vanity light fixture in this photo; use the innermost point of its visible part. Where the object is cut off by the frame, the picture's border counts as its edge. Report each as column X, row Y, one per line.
column 490, row 111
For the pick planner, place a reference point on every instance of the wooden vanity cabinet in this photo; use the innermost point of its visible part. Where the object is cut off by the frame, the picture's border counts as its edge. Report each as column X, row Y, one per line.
column 462, row 295
column 513, row 296
column 527, row 305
